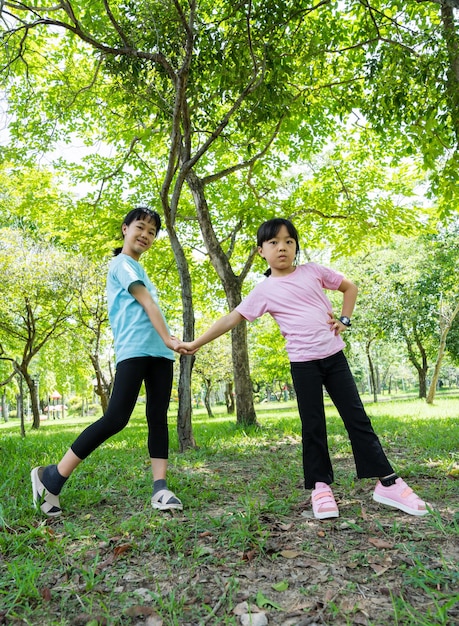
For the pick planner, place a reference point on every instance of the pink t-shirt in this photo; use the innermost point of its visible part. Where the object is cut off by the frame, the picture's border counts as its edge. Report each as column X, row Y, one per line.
column 300, row 307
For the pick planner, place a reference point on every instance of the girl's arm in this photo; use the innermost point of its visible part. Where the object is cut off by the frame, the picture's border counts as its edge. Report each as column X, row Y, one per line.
column 220, row 327
column 349, row 291
column 143, row 297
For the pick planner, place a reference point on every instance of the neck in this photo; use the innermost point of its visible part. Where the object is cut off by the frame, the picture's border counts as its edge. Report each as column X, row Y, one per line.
column 278, row 273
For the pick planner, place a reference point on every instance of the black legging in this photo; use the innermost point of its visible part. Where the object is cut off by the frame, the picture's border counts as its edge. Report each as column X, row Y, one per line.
column 333, row 373
column 157, row 374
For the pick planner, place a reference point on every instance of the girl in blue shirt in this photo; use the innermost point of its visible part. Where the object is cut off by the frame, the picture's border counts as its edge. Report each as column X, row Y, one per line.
column 144, row 353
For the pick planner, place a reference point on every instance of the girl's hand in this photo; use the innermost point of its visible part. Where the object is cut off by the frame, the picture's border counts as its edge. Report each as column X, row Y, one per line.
column 335, row 325
column 186, row 348
column 173, row 343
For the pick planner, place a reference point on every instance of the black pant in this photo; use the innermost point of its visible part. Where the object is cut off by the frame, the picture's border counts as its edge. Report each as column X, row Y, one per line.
column 333, row 373
column 157, row 373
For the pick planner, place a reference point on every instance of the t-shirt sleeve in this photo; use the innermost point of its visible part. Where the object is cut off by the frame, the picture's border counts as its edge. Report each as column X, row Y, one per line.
column 127, row 274
column 331, row 279
column 253, row 306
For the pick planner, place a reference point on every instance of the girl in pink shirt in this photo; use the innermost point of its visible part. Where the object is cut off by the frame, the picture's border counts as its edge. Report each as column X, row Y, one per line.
column 294, row 296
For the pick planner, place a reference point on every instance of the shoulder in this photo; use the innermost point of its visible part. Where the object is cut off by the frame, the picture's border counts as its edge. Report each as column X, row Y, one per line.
column 125, row 263
column 316, row 268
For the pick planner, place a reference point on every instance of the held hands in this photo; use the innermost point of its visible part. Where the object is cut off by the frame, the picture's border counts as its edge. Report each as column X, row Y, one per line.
column 173, row 343
column 335, row 325
column 182, row 347
column 187, row 348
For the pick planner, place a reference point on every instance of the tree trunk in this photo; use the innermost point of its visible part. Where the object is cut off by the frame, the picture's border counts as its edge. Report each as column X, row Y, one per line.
column 422, row 367
column 446, row 325
column 372, row 372
column 32, row 387
column 20, row 405
column 422, row 383
column 208, row 385
column 4, row 407
column 103, row 387
column 229, row 397
column 245, row 410
column 184, row 414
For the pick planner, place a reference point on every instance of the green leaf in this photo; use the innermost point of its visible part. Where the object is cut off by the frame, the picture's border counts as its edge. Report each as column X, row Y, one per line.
column 280, row 586
column 262, row 601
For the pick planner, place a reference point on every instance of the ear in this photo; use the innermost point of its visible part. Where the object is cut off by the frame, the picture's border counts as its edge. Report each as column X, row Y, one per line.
column 124, row 228
column 260, row 252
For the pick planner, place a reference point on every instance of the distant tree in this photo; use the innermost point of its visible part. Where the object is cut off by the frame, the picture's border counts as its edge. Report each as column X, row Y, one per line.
column 408, row 291
column 94, row 332
column 37, row 300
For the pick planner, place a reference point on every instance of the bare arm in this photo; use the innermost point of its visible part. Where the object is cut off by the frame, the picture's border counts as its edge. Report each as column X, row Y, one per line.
column 220, row 327
column 349, row 291
column 143, row 297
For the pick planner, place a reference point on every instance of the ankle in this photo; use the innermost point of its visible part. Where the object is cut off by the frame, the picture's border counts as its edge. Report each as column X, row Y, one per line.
column 388, row 481
column 159, row 484
column 52, row 480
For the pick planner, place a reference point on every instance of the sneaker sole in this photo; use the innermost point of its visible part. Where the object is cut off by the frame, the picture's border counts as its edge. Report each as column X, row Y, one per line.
column 49, row 506
column 167, row 507
column 326, row 514
column 398, row 505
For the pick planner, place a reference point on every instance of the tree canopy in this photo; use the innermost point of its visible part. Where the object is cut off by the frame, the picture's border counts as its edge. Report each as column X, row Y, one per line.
column 224, row 114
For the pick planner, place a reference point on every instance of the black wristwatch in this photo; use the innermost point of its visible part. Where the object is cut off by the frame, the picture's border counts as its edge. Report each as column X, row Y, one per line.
column 345, row 320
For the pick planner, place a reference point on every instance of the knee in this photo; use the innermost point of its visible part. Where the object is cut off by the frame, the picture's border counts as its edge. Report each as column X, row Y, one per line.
column 114, row 424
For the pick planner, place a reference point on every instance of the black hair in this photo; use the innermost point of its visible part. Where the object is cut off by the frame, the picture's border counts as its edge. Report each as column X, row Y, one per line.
column 269, row 230
column 140, row 213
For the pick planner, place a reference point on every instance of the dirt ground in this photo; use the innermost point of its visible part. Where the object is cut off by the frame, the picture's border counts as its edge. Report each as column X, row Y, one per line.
column 368, row 569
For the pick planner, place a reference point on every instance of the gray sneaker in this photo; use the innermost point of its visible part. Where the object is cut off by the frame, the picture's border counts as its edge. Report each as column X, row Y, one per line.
column 42, row 498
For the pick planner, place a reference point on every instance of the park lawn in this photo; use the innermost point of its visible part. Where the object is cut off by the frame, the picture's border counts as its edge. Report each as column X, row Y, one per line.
column 246, row 540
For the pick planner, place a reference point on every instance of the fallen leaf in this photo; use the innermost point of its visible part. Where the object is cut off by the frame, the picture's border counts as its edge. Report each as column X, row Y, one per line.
column 380, row 543
column 290, row 554
column 379, row 569
column 249, row 555
column 360, row 619
column 137, row 609
column 280, row 586
column 106, row 563
column 121, row 549
column 262, row 601
column 329, row 595
column 46, row 594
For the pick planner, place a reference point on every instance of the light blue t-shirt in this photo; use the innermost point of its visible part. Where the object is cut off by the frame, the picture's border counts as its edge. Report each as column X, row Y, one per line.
column 133, row 333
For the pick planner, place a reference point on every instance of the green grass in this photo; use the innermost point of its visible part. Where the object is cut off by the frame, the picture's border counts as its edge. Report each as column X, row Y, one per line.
column 245, row 534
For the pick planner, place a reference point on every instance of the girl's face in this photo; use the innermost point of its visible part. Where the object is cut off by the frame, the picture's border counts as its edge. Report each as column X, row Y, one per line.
column 138, row 237
column 279, row 252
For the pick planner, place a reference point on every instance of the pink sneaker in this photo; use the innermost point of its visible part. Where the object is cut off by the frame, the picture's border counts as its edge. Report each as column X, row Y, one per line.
column 400, row 496
column 323, row 502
